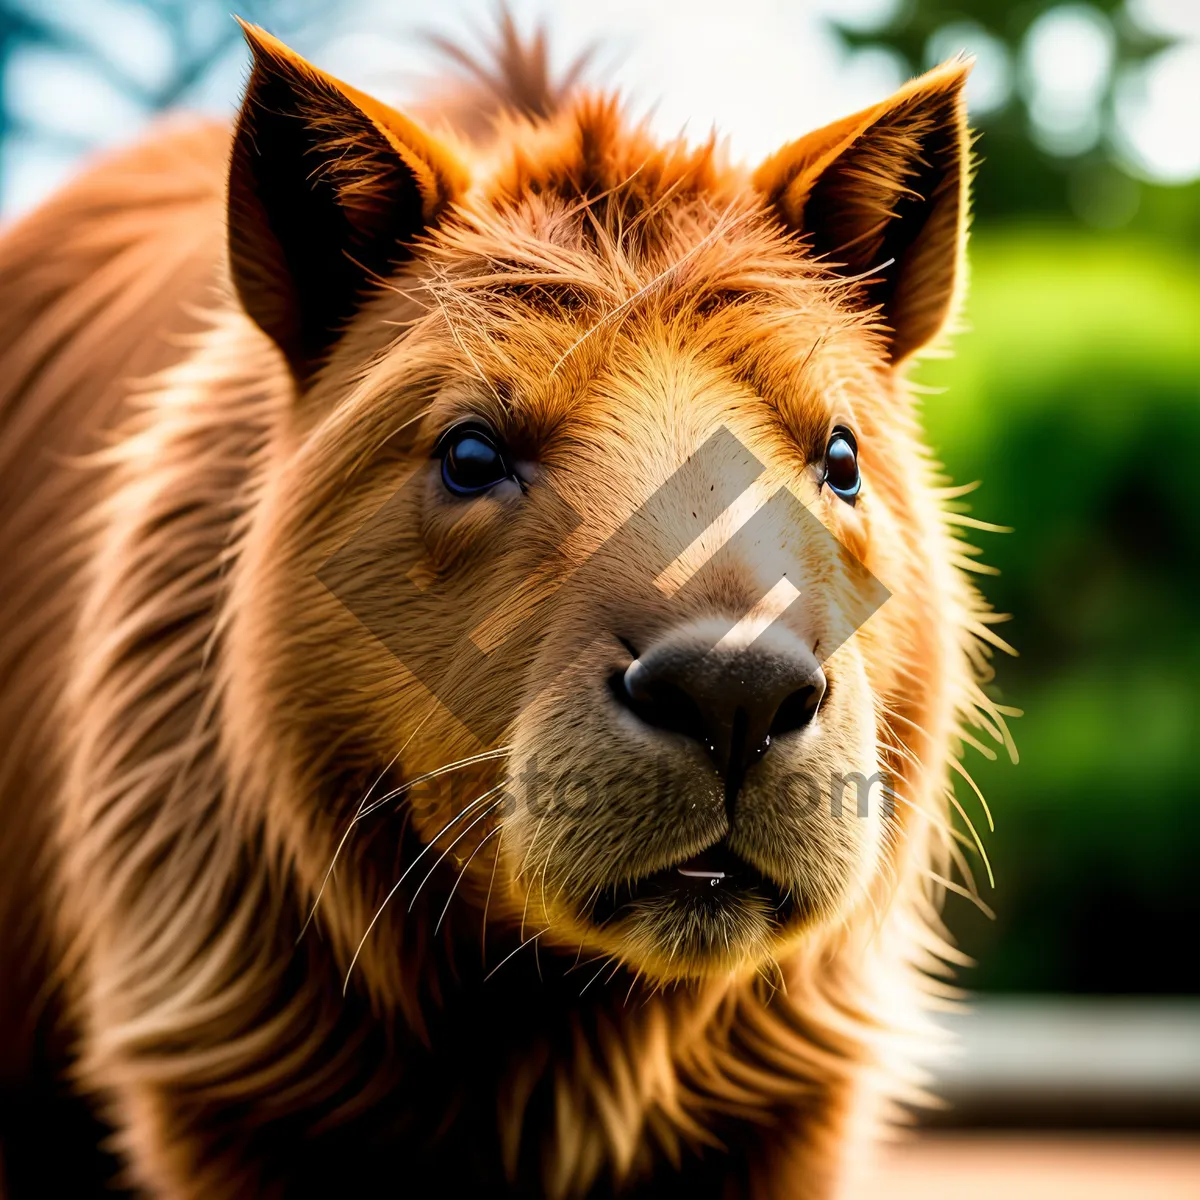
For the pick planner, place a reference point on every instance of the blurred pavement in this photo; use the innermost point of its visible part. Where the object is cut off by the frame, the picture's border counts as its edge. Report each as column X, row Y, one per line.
column 982, row 1166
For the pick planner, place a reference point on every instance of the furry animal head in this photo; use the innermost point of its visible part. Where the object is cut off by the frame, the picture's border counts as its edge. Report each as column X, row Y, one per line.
column 569, row 573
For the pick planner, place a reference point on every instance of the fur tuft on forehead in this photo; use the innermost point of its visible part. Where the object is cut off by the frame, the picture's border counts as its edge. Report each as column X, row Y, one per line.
column 591, row 149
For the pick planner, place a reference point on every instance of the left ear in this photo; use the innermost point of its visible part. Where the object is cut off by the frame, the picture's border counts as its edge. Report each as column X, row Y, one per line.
column 328, row 191
column 883, row 197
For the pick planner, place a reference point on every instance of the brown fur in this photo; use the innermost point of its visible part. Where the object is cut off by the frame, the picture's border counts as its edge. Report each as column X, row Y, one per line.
column 193, row 720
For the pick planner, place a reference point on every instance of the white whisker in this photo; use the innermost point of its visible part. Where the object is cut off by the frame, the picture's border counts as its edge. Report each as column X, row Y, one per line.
column 487, row 837
column 605, row 963
column 532, row 938
column 488, row 900
column 396, row 886
column 364, row 809
column 442, row 857
column 361, row 804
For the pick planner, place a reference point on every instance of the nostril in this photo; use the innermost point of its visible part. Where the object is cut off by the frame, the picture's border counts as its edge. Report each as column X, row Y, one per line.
column 629, row 648
column 657, row 701
column 798, row 708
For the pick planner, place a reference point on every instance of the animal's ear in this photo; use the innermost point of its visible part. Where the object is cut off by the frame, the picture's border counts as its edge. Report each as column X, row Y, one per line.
column 882, row 195
column 327, row 189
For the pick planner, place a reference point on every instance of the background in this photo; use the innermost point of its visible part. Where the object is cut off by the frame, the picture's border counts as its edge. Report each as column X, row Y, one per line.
column 1074, row 397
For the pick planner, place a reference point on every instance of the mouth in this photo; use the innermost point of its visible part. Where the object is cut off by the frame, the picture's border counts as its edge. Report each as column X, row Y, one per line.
column 711, row 881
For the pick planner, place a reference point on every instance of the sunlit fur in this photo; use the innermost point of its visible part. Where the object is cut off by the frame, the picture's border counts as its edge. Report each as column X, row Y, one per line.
column 194, row 720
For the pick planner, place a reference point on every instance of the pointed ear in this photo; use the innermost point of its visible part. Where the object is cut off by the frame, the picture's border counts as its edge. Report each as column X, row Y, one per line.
column 327, row 189
column 883, row 195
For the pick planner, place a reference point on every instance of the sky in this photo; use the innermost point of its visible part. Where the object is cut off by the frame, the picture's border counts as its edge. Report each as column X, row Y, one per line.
column 761, row 72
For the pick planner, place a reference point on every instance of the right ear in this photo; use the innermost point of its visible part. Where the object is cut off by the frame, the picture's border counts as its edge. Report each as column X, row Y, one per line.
column 327, row 190
column 882, row 196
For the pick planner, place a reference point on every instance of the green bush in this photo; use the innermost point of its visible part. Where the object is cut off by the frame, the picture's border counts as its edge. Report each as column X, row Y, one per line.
column 1076, row 400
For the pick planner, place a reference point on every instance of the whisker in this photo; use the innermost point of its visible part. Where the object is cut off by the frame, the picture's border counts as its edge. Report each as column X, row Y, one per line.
column 521, row 872
column 488, row 900
column 487, row 837
column 607, row 959
column 470, row 761
column 396, row 886
column 587, row 962
column 532, row 938
column 987, row 812
column 983, row 854
column 959, row 890
column 546, row 864
column 943, row 827
column 361, row 804
column 974, row 742
column 491, row 808
column 633, row 983
column 364, row 809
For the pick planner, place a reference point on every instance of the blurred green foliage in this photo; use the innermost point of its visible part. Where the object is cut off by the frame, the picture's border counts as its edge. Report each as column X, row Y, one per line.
column 1085, row 173
column 1076, row 400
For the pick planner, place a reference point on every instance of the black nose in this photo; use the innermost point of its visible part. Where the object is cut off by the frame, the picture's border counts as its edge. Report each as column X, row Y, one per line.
column 732, row 700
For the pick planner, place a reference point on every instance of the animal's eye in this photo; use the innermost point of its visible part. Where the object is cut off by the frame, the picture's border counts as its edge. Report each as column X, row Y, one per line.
column 472, row 460
column 841, row 464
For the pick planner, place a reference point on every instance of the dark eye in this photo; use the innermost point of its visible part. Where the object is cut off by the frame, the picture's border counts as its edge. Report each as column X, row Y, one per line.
column 841, row 464
column 472, row 461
